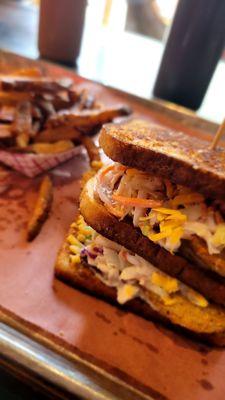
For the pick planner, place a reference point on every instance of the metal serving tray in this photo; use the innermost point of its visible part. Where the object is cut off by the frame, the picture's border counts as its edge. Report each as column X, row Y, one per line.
column 109, row 358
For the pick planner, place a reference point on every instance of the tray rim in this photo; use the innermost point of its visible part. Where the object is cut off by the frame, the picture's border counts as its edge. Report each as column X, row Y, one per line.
column 44, row 345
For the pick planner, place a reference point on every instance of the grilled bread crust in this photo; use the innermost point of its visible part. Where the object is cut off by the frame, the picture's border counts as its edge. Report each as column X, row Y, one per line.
column 209, row 284
column 207, row 324
column 179, row 157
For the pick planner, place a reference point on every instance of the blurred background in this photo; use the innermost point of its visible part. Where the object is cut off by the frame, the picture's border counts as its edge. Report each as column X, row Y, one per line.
column 122, row 43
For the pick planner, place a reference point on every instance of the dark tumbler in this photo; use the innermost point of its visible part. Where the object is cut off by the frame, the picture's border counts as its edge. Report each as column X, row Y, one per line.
column 193, row 48
column 61, row 25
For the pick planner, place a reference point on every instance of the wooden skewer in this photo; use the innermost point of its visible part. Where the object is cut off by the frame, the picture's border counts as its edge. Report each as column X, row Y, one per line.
column 218, row 135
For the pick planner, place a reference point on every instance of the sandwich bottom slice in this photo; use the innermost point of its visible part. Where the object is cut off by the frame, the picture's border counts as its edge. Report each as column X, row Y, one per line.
column 105, row 269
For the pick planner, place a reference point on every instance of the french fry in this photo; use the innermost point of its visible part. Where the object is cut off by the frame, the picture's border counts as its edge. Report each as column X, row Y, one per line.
column 35, row 128
column 65, row 100
column 36, row 85
column 13, row 98
column 36, row 112
column 86, row 120
column 41, row 209
column 5, row 131
column 92, row 149
column 87, row 101
column 56, row 134
column 74, row 96
column 7, row 113
column 22, row 139
column 94, row 159
column 47, row 108
column 22, row 125
column 51, row 148
column 31, row 72
column 62, row 99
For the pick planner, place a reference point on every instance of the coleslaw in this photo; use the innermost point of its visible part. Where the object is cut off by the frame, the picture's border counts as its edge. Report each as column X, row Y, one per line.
column 165, row 212
column 128, row 273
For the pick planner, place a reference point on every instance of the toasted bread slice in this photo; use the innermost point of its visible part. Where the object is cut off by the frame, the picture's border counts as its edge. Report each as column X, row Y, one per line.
column 97, row 216
column 196, row 251
column 183, row 159
column 205, row 323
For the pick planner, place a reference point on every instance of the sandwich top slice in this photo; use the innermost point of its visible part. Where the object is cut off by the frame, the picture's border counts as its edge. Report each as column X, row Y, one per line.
column 181, row 158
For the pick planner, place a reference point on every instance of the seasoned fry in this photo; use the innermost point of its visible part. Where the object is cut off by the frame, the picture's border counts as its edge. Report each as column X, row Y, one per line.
column 74, row 96
column 41, row 209
column 31, row 72
column 92, row 149
column 59, row 133
column 87, row 119
column 36, row 112
column 5, row 131
column 61, row 101
column 13, row 98
column 64, row 99
column 35, row 128
column 47, row 108
column 22, row 139
column 95, row 165
column 22, row 125
column 87, row 101
column 94, row 159
column 51, row 148
column 65, row 83
column 7, row 113
column 37, row 85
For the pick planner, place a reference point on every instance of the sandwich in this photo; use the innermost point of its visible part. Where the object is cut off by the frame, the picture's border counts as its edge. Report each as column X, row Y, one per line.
column 151, row 231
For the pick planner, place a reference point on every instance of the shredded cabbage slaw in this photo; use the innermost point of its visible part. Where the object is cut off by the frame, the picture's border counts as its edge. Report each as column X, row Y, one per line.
column 166, row 213
column 128, row 273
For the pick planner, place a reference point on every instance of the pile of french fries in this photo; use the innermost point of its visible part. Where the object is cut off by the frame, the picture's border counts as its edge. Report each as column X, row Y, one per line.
column 47, row 116
column 43, row 115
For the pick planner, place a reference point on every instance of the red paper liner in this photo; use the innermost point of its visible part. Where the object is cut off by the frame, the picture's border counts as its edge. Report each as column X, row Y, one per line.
column 34, row 164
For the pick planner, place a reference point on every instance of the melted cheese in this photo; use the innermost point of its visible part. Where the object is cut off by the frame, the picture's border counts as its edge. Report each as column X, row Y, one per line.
column 167, row 283
column 126, row 292
column 219, row 236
